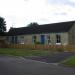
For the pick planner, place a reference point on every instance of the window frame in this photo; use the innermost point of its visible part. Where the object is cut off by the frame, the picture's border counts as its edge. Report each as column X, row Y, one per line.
column 48, row 39
column 22, row 40
column 34, row 38
column 58, row 39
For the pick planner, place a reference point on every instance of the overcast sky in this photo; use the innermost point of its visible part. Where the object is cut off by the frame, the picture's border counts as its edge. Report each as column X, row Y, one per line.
column 19, row 13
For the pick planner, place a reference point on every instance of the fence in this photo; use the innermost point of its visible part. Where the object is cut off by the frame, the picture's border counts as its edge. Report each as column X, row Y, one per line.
column 44, row 47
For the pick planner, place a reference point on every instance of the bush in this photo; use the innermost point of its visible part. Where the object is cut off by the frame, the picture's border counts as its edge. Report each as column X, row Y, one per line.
column 60, row 50
column 38, row 42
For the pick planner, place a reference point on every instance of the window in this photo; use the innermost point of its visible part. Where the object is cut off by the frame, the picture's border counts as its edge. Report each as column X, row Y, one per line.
column 16, row 39
column 7, row 38
column 58, row 38
column 48, row 39
column 22, row 40
column 34, row 39
column 13, row 39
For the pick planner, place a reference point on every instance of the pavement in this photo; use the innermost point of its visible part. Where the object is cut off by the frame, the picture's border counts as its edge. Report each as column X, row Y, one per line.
column 23, row 66
column 53, row 58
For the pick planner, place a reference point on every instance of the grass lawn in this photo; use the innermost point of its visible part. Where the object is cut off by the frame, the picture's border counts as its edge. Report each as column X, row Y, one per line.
column 69, row 62
column 23, row 52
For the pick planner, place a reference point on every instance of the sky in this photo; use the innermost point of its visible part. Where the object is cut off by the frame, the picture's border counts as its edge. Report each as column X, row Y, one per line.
column 20, row 13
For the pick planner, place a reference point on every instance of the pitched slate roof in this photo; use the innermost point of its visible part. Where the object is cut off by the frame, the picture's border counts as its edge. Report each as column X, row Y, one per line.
column 46, row 28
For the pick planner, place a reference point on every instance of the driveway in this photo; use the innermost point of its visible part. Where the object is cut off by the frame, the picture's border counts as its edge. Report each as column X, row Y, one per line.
column 22, row 66
column 53, row 58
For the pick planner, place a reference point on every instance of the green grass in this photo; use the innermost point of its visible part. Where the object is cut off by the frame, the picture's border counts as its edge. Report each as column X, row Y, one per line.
column 22, row 52
column 69, row 62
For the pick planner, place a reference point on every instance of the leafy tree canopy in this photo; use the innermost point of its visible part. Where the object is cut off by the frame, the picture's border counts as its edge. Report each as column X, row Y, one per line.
column 34, row 24
column 2, row 25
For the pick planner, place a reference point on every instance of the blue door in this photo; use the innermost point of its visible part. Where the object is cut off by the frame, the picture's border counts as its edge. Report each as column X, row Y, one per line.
column 42, row 39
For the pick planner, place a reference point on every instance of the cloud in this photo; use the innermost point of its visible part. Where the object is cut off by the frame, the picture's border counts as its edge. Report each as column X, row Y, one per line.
column 21, row 12
column 62, row 7
column 62, row 2
column 72, row 1
column 62, row 13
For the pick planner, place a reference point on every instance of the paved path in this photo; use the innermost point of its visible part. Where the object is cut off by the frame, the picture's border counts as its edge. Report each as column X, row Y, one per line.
column 54, row 58
column 21, row 66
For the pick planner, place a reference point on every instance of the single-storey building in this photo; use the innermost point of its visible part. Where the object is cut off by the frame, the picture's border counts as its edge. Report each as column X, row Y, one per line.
column 53, row 34
column 3, row 39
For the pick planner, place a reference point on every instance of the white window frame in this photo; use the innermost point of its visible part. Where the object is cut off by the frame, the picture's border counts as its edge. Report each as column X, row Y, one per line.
column 21, row 39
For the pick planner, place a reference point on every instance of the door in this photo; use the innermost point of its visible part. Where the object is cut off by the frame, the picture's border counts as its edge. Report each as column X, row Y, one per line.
column 15, row 39
column 42, row 39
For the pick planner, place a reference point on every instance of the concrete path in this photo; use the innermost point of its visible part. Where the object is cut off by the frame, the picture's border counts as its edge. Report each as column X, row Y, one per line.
column 21, row 66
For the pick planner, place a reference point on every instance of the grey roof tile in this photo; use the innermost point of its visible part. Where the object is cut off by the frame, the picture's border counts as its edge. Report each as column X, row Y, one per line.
column 45, row 28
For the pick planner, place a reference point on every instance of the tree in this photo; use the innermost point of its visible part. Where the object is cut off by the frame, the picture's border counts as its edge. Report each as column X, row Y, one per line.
column 2, row 25
column 34, row 24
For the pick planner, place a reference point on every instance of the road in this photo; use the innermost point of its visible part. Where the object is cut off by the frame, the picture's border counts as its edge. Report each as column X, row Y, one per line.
column 22, row 66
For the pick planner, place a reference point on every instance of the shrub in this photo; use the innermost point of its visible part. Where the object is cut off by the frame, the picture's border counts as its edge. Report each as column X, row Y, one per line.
column 37, row 42
column 60, row 50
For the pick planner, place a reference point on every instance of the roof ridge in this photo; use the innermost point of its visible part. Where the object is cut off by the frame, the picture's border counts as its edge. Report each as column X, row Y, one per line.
column 45, row 28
